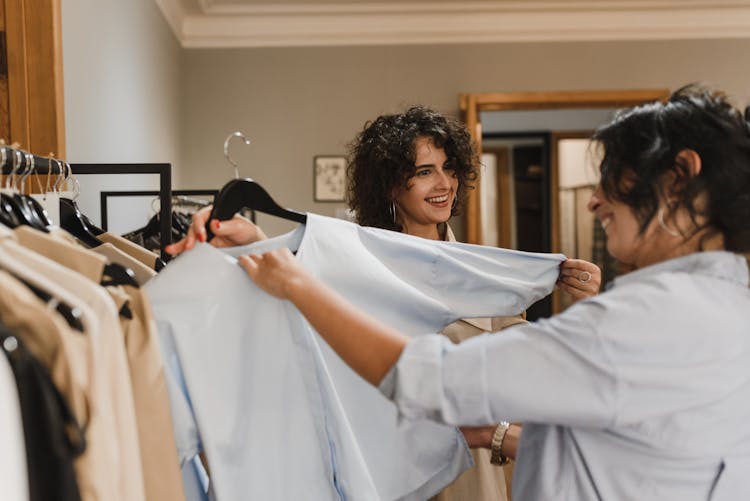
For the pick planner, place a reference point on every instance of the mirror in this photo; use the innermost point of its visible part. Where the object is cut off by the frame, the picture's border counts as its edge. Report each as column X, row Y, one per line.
column 538, row 172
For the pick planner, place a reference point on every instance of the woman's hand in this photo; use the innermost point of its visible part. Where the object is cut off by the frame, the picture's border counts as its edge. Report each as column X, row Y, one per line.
column 275, row 272
column 579, row 278
column 229, row 233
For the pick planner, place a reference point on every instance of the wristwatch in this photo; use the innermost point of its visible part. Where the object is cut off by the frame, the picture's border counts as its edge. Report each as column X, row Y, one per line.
column 497, row 444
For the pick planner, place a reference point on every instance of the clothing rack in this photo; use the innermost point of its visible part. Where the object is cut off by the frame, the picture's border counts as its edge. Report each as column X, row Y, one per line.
column 27, row 163
column 105, row 195
column 164, row 193
column 23, row 159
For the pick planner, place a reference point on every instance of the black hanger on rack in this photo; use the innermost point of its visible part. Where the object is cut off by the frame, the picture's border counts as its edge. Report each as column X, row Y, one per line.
column 246, row 193
column 72, row 315
column 18, row 209
column 7, row 212
column 38, row 215
column 77, row 224
column 117, row 274
column 74, row 222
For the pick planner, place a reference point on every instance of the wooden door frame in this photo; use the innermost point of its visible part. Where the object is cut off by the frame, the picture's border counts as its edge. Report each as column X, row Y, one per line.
column 471, row 104
column 33, row 31
column 503, row 180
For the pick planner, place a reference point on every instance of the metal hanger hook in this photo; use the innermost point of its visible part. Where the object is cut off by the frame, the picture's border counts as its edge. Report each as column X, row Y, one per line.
column 226, row 150
column 60, row 176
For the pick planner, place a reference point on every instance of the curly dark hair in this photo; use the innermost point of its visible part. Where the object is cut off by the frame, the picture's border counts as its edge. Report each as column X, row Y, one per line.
column 382, row 157
column 641, row 145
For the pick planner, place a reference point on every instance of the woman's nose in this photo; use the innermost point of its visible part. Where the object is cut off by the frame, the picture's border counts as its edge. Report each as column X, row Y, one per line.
column 596, row 199
column 444, row 180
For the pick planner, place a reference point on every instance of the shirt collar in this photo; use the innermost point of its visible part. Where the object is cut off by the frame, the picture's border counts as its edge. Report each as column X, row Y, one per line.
column 717, row 264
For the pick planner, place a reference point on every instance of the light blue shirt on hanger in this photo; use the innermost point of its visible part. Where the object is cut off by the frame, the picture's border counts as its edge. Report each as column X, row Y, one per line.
column 642, row 392
column 278, row 414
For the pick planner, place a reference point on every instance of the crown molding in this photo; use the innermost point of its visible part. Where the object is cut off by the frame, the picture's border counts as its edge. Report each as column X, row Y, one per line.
column 236, row 25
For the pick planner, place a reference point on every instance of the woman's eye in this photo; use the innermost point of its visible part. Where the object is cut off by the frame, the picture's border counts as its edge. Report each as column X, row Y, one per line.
column 423, row 172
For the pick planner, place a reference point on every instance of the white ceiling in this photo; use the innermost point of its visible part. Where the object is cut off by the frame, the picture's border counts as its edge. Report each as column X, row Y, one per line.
column 285, row 23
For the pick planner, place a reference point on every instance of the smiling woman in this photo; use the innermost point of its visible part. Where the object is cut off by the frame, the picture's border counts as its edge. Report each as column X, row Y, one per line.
column 430, row 194
column 639, row 391
column 402, row 166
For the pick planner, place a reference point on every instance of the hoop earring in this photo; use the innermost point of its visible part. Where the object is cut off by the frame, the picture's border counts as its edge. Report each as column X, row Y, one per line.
column 453, row 205
column 392, row 210
column 660, row 219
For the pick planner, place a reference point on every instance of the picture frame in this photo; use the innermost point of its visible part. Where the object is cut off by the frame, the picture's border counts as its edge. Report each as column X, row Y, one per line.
column 329, row 178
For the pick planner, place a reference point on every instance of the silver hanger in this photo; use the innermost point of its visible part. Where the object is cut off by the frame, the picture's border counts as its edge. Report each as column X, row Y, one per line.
column 226, row 150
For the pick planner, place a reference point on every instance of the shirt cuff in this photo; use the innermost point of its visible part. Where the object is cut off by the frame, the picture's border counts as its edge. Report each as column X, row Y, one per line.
column 414, row 384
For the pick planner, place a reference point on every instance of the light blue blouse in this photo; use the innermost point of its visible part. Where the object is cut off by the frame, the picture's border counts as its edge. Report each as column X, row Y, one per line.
column 642, row 392
column 278, row 414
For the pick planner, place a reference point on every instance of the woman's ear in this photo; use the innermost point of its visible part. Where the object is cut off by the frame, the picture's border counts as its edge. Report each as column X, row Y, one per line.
column 688, row 166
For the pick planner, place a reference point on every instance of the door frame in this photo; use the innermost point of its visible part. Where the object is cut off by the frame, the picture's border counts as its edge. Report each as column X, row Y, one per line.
column 472, row 104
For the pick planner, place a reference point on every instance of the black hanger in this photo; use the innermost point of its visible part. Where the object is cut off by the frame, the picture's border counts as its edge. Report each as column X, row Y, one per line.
column 72, row 315
column 246, row 193
column 39, row 210
column 32, row 213
column 95, row 230
column 74, row 222
column 7, row 213
column 117, row 274
column 16, row 211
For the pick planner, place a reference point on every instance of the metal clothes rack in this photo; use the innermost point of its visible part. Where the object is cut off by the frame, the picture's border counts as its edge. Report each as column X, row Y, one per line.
column 105, row 195
column 25, row 163
column 164, row 193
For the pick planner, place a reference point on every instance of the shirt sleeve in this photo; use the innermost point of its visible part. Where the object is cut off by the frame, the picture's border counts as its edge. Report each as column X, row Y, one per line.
column 554, row 371
column 467, row 280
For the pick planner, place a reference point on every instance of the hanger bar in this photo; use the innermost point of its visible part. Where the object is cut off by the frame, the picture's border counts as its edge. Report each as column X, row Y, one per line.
column 42, row 165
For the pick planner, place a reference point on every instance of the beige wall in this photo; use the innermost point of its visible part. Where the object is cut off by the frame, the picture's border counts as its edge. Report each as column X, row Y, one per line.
column 297, row 103
column 121, row 67
column 121, row 78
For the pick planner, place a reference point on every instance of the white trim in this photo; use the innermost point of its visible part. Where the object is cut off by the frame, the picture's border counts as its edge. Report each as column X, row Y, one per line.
column 268, row 25
column 174, row 13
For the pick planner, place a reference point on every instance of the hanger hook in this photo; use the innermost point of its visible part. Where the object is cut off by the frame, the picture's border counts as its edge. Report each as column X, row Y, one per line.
column 226, row 150
column 13, row 178
column 28, row 170
column 76, row 184
column 60, row 176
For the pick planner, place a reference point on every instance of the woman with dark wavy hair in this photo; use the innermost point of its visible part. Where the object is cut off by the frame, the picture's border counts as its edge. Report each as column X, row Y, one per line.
column 398, row 158
column 641, row 392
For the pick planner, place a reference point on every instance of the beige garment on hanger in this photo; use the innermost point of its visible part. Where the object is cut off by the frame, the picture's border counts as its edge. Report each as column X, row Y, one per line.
column 64, row 352
column 97, row 469
column 161, row 468
column 113, row 396
column 485, row 481
column 143, row 255
column 162, row 480
column 142, row 272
